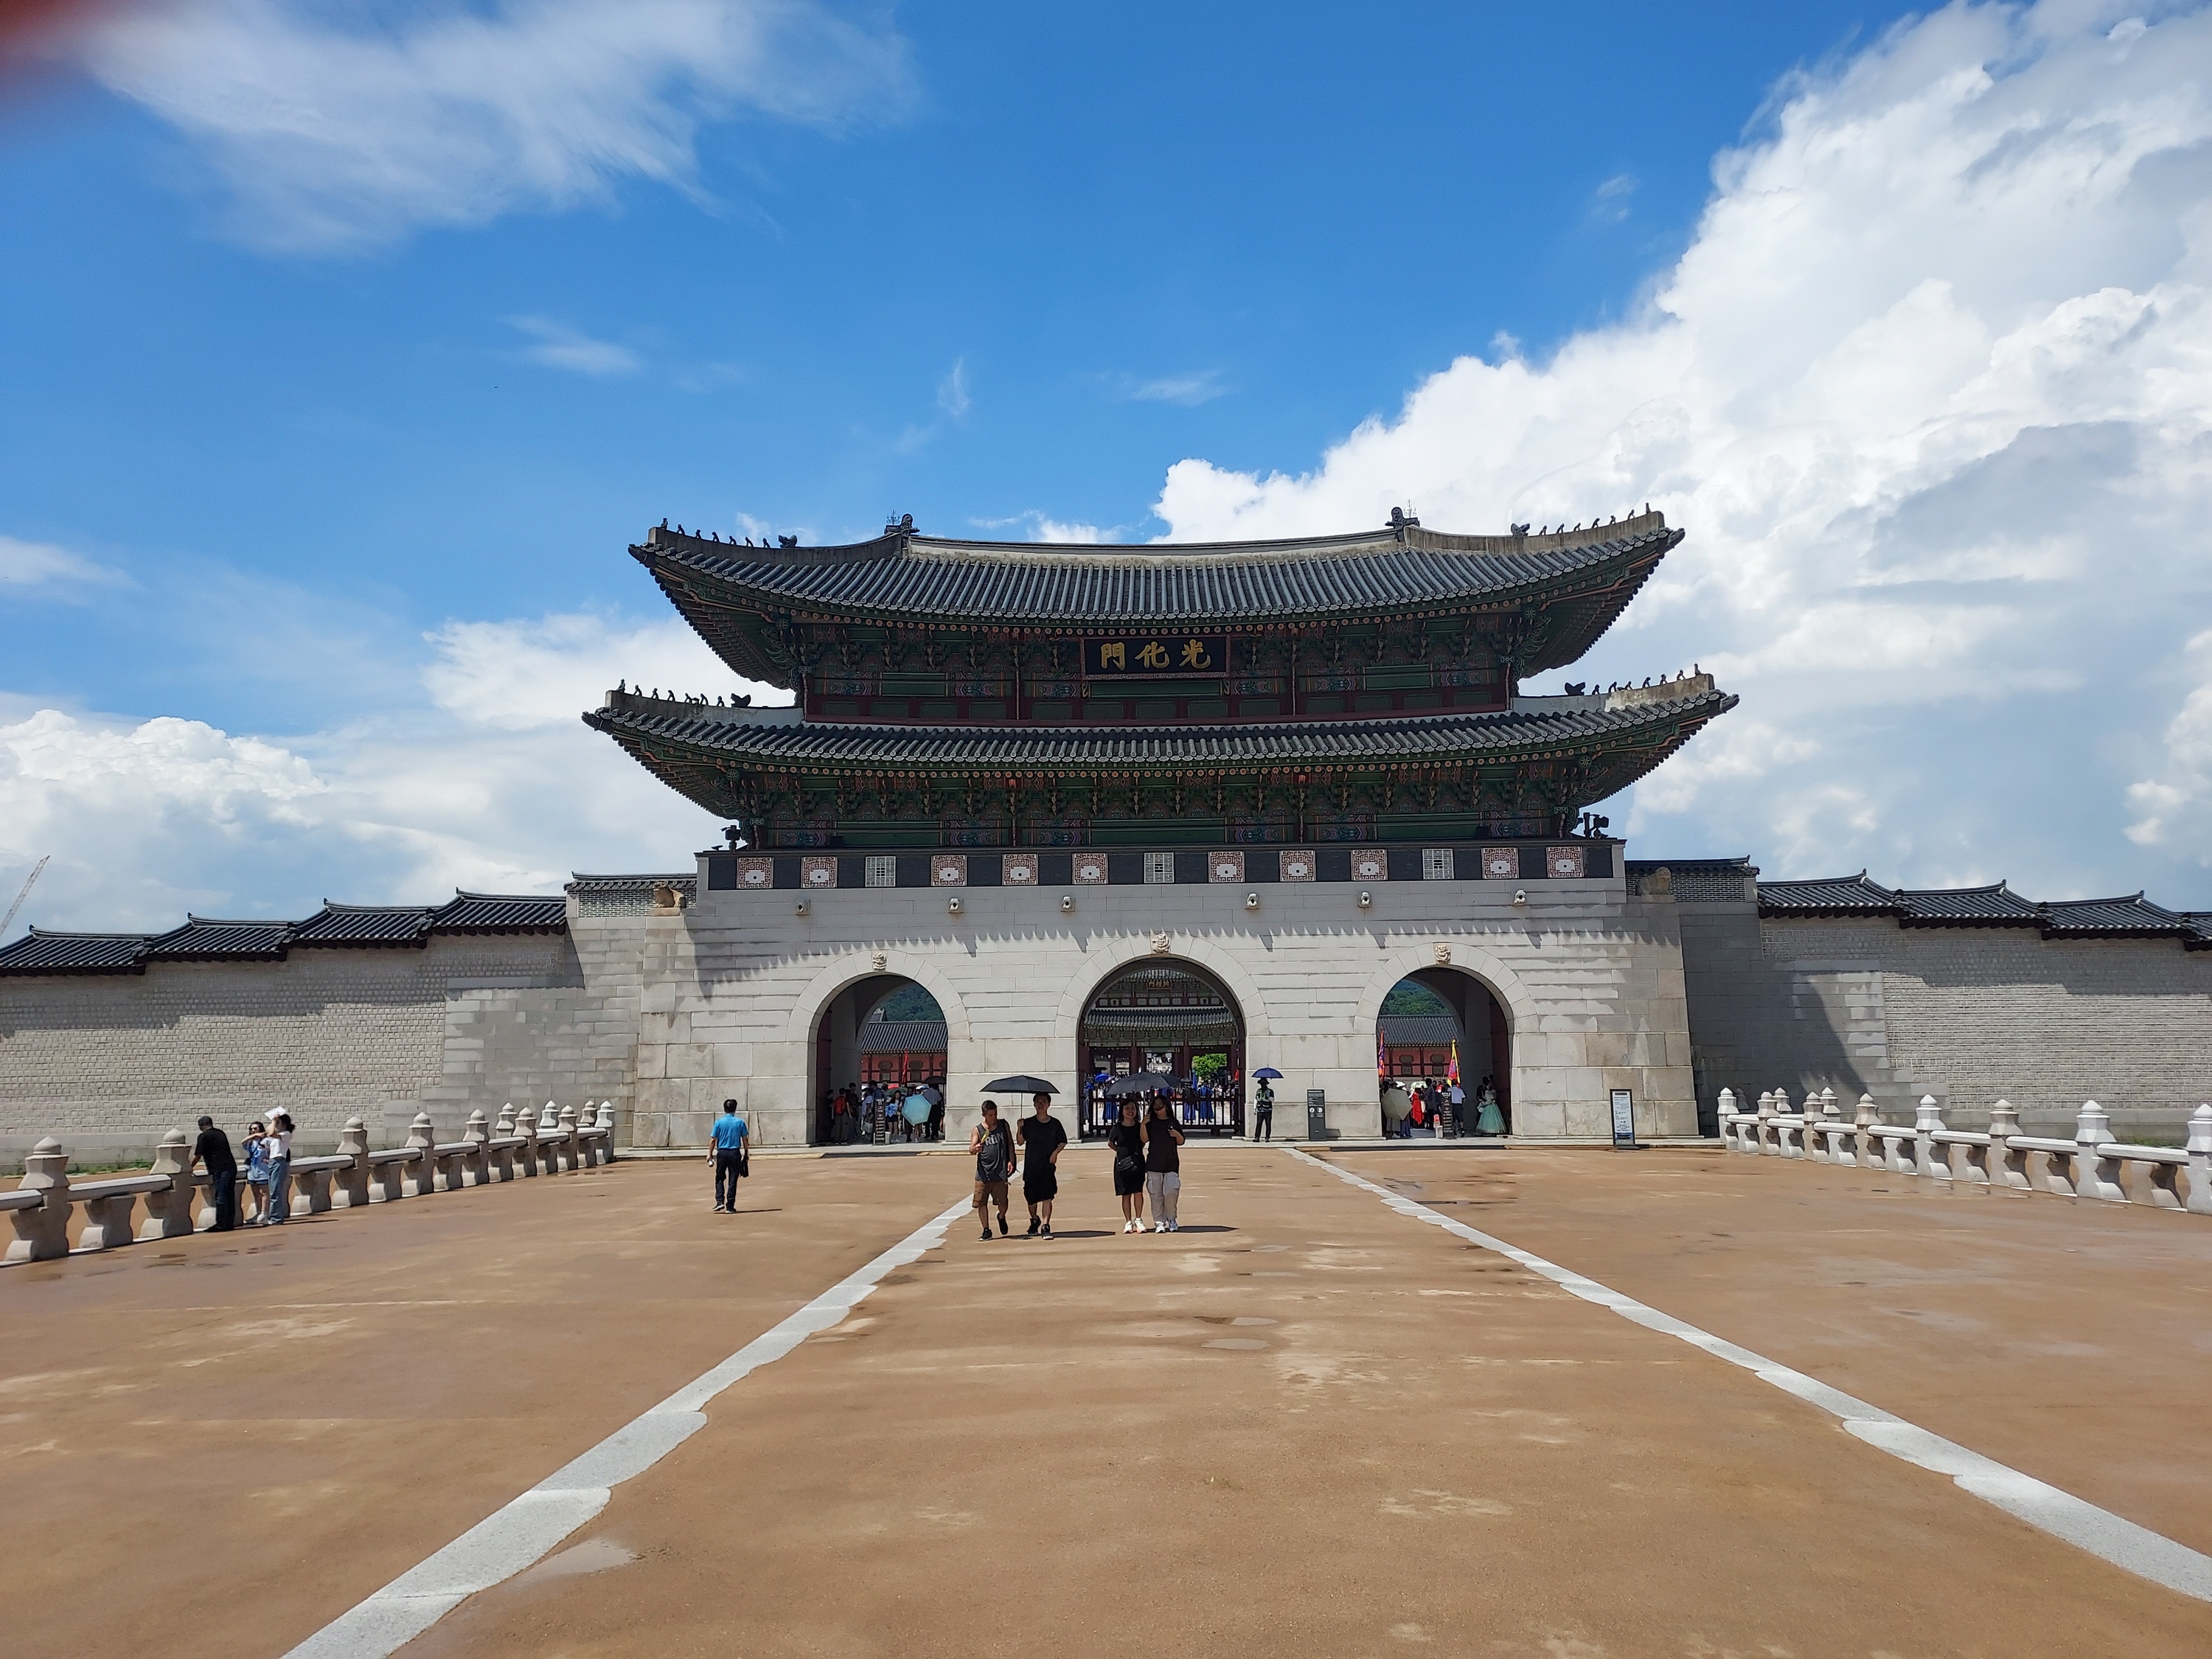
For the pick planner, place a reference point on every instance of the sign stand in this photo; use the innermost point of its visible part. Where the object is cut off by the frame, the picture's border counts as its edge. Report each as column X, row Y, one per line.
column 1624, row 1122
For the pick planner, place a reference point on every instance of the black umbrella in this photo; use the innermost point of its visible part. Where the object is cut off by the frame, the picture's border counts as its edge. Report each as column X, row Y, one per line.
column 1020, row 1085
column 1142, row 1083
column 1268, row 1071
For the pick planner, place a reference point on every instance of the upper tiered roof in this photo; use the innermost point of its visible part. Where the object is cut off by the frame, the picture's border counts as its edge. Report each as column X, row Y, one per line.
column 727, row 591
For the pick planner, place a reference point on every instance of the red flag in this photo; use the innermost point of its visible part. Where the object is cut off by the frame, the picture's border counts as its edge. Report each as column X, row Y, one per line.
column 1382, row 1052
column 1452, row 1076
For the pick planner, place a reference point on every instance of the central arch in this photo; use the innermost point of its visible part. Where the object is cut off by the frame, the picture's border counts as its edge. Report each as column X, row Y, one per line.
column 876, row 1041
column 1167, row 1015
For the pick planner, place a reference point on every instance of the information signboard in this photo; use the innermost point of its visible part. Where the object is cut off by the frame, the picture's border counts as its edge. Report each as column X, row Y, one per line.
column 1624, row 1119
column 1140, row 656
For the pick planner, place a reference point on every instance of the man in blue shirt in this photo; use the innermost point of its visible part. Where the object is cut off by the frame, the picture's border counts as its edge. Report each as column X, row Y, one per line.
column 728, row 1153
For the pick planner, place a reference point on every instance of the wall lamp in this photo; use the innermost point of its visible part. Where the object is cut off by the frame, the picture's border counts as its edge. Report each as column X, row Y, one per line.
column 1067, row 901
column 952, row 905
column 1366, row 898
column 1521, row 896
column 1251, row 900
column 802, row 907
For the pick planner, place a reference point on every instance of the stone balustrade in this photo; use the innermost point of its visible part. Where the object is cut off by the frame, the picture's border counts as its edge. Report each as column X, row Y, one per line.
column 179, row 1201
column 2092, row 1165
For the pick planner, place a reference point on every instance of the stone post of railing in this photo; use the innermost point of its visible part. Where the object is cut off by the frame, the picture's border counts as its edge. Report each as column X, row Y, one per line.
column 548, row 1140
column 2094, row 1175
column 1789, row 1137
column 1821, row 1146
column 525, row 1155
column 2008, row 1164
column 421, row 1177
column 1765, row 1127
column 169, row 1215
column 503, row 1158
column 476, row 1167
column 607, row 1123
column 575, row 1152
column 2200, row 1161
column 352, row 1184
column 1863, row 1144
column 1722, row 1113
column 43, row 1233
column 1925, row 1123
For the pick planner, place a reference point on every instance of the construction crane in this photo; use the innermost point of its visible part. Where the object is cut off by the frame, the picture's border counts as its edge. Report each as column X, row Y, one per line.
column 24, row 892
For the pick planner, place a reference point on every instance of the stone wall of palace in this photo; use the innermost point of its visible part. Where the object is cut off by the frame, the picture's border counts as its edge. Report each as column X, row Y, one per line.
column 730, row 992
column 109, row 1062
column 1969, row 1015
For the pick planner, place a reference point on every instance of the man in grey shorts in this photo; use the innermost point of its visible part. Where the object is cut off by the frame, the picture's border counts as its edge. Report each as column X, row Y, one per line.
column 993, row 1143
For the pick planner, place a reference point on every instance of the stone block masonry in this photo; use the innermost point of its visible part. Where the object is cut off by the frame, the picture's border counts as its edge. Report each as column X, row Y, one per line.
column 108, row 1063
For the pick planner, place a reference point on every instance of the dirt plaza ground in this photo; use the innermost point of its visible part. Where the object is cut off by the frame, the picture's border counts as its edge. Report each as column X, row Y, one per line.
column 1304, row 1423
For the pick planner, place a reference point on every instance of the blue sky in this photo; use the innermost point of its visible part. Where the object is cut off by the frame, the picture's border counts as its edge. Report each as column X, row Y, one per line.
column 355, row 342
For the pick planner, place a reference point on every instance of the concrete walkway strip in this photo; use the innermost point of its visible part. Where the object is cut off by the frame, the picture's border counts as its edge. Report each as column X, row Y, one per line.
column 2136, row 1549
column 522, row 1532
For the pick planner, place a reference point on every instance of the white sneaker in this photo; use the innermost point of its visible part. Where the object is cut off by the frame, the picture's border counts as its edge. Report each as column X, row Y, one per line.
column 1159, row 1226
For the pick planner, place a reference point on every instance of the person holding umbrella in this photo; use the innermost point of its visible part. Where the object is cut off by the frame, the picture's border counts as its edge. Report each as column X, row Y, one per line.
column 1263, row 1104
column 1163, row 1164
column 1042, row 1136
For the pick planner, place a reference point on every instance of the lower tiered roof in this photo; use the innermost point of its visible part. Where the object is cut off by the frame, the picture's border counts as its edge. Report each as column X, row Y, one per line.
column 712, row 755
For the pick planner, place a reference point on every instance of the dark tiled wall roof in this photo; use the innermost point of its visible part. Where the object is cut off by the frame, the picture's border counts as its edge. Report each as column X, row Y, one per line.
column 1993, row 906
column 205, row 939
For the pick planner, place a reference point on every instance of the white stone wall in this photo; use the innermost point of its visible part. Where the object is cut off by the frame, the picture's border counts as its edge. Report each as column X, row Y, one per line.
column 109, row 1062
column 730, row 990
column 1968, row 1015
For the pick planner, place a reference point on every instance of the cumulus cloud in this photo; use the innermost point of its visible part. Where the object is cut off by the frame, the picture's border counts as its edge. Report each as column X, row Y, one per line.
column 334, row 128
column 489, row 780
column 1931, row 390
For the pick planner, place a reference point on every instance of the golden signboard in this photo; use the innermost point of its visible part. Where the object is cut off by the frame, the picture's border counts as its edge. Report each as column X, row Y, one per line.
column 1172, row 656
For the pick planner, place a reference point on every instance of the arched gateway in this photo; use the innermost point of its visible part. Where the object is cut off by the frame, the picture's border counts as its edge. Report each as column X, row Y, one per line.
column 1169, row 1018
column 876, row 1043
column 1313, row 764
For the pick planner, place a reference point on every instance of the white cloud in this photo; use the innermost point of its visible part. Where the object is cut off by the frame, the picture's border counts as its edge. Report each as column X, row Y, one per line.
column 489, row 782
column 1052, row 529
column 1931, row 390
column 556, row 345
column 952, row 390
column 42, row 565
column 1189, row 390
column 334, row 130
column 1609, row 201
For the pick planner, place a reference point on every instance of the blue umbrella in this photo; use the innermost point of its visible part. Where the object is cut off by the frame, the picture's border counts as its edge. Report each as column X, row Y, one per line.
column 916, row 1110
column 1267, row 1070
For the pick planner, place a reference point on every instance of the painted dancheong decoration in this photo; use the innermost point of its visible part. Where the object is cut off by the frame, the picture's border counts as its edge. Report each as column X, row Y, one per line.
column 1363, row 689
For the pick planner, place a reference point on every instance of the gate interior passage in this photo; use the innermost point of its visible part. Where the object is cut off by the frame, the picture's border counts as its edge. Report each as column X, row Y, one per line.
column 1170, row 1018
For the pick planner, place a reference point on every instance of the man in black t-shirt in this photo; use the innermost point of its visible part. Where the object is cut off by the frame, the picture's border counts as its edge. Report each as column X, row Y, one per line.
column 1042, row 1136
column 212, row 1150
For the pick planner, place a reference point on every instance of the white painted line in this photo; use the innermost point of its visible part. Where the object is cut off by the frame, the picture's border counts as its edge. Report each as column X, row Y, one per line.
column 2136, row 1549
column 513, row 1537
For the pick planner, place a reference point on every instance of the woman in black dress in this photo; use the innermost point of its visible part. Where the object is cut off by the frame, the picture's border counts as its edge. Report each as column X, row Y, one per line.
column 1127, row 1139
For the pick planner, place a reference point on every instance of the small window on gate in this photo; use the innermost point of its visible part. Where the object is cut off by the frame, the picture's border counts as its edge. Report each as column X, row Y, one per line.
column 1436, row 864
column 883, row 872
column 1160, row 867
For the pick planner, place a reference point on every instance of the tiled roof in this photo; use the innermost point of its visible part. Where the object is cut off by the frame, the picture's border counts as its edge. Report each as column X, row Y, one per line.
column 686, row 880
column 1834, row 896
column 891, row 1036
column 42, row 952
column 743, row 736
column 365, row 924
column 501, row 913
column 2132, row 917
column 1422, row 1030
column 907, row 576
column 1993, row 906
column 205, row 939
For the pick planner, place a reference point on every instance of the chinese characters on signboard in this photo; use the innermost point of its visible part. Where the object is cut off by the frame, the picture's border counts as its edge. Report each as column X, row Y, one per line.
column 1175, row 655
